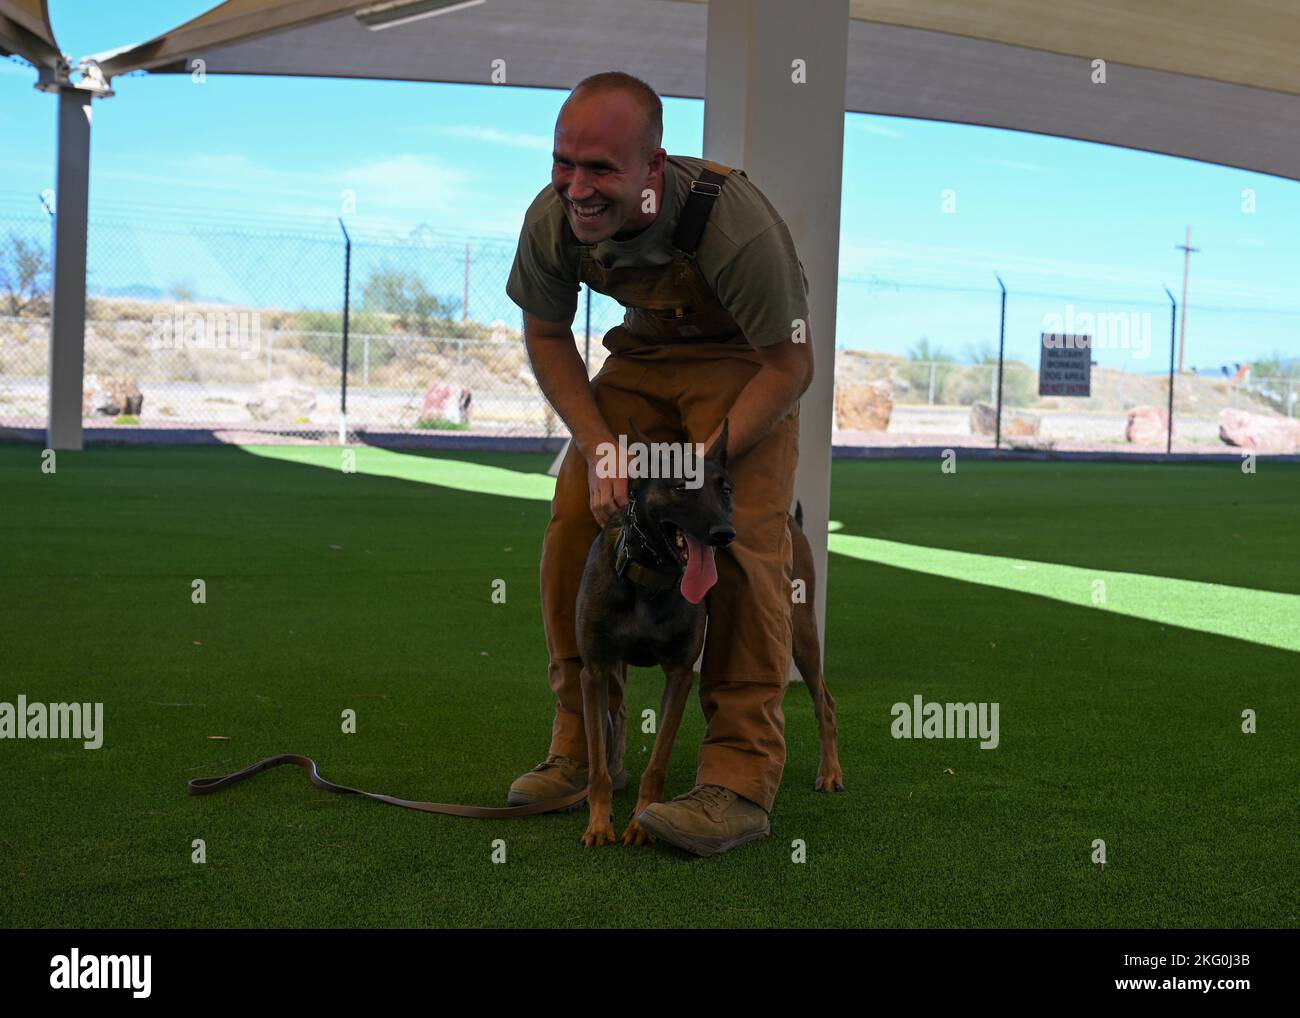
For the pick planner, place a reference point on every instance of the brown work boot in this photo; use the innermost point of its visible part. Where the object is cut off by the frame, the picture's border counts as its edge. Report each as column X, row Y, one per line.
column 707, row 820
column 554, row 777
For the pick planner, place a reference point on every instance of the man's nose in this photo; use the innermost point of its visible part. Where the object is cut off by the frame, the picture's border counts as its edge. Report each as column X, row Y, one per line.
column 580, row 187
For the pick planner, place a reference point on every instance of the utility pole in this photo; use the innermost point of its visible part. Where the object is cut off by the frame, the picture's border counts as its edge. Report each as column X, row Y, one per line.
column 1187, row 250
column 464, row 304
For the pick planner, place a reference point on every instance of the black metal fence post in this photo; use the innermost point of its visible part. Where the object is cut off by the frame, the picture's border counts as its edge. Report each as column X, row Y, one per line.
column 586, row 347
column 1002, row 343
column 347, row 289
column 1173, row 321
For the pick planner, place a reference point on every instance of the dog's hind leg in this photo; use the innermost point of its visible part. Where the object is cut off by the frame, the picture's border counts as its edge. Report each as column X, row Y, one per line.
column 595, row 710
column 677, row 691
column 807, row 653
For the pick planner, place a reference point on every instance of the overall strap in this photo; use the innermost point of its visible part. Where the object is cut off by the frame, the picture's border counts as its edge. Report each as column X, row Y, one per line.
column 699, row 203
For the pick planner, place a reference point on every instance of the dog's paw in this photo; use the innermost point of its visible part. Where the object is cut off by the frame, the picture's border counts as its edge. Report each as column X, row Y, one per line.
column 829, row 779
column 598, row 835
column 635, row 836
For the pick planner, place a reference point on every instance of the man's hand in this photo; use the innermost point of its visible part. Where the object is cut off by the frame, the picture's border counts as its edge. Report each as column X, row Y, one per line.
column 786, row 371
column 607, row 493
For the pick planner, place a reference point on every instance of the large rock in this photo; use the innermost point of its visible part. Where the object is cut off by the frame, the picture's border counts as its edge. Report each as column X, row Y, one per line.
column 110, row 396
column 282, row 400
column 1020, row 424
column 1147, row 425
column 865, row 406
column 1257, row 432
column 1015, row 423
column 983, row 419
column 435, row 402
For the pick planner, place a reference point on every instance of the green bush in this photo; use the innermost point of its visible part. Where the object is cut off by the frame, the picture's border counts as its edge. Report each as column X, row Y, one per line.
column 916, row 373
column 405, row 296
column 1273, row 378
column 332, row 321
column 329, row 348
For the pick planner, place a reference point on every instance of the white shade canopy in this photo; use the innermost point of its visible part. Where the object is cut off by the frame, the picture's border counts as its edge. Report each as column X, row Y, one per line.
column 25, row 31
column 1203, row 80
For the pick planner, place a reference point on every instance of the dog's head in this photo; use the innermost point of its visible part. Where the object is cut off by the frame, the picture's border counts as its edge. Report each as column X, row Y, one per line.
column 684, row 508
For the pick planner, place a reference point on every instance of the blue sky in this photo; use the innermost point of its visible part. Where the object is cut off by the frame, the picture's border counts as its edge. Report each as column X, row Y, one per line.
column 1065, row 223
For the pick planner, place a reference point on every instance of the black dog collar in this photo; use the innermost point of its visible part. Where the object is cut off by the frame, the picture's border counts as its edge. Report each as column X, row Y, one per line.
column 630, row 557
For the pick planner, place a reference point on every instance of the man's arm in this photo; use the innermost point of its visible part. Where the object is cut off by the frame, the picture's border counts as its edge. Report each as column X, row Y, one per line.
column 786, row 372
column 559, row 370
column 563, row 379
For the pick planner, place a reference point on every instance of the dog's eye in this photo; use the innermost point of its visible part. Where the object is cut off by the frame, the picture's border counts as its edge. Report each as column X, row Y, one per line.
column 681, row 489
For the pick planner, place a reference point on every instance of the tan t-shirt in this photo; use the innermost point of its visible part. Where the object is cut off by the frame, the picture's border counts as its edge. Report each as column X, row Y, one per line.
column 746, row 255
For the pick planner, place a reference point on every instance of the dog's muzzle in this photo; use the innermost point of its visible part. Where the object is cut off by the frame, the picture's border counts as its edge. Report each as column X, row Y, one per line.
column 721, row 535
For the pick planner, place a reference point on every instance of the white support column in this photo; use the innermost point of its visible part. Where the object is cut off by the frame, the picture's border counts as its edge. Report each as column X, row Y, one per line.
column 789, row 139
column 68, row 306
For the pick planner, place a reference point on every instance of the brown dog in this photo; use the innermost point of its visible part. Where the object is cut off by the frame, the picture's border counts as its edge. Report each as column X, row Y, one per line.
column 642, row 603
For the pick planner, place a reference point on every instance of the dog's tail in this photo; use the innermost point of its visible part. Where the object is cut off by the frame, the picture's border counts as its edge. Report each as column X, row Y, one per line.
column 798, row 513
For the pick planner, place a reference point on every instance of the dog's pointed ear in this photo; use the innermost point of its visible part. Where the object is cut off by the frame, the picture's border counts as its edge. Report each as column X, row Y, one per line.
column 718, row 451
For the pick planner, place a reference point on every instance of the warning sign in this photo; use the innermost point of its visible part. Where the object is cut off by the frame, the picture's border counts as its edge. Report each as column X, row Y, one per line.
column 1065, row 367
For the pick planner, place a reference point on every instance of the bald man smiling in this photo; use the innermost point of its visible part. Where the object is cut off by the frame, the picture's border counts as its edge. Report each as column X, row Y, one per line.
column 715, row 327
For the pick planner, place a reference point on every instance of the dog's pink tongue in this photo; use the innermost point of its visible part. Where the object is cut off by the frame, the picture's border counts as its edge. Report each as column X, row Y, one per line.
column 701, row 572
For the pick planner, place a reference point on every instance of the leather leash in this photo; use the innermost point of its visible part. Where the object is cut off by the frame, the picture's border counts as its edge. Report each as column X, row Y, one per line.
column 206, row 786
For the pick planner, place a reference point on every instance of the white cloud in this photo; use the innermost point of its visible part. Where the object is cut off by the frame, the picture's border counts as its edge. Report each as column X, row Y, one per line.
column 870, row 128
column 493, row 136
column 400, row 181
column 907, row 262
column 1012, row 164
column 404, row 180
column 390, row 194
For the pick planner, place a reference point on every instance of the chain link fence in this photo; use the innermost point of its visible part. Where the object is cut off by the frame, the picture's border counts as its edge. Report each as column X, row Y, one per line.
column 944, row 391
column 209, row 325
column 238, row 329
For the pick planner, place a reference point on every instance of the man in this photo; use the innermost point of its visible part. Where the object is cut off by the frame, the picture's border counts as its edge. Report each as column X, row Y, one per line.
column 716, row 326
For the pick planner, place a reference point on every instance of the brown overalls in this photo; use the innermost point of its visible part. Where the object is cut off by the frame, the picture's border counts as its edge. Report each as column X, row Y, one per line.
column 677, row 365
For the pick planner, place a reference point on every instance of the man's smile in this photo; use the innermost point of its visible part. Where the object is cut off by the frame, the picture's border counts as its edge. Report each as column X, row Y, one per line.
column 589, row 211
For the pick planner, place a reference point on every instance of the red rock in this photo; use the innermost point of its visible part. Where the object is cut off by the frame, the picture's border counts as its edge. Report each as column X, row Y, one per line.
column 864, row 407
column 1148, row 425
column 282, row 400
column 1260, row 433
column 1015, row 423
column 435, row 401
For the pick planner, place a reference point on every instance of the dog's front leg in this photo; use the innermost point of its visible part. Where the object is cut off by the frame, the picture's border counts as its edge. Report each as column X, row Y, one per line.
column 677, row 690
column 600, row 801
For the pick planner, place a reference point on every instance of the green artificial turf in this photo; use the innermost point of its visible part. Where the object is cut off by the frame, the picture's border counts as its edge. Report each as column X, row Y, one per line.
column 372, row 591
